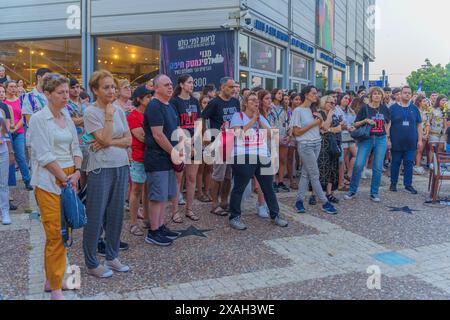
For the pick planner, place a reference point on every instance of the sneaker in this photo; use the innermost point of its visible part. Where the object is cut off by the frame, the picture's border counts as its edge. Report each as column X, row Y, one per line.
column 375, row 198
column 12, row 207
column 127, row 206
column 263, row 211
column 237, row 224
column 124, row 246
column 172, row 235
column 368, row 173
column 419, row 170
column 101, row 248
column 28, row 187
column 157, row 238
column 117, row 266
column 328, row 208
column 312, row 201
column 275, row 188
column 411, row 190
column 300, row 207
column 282, row 187
column 350, row 196
column 6, row 220
column 386, row 165
column 363, row 175
column 393, row 188
column 100, row 272
column 279, row 221
column 181, row 201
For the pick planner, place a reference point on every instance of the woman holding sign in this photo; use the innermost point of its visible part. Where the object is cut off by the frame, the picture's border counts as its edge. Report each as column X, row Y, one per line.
column 252, row 132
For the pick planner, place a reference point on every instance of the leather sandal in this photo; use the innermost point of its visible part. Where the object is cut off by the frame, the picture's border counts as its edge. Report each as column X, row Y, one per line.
column 191, row 215
column 177, row 217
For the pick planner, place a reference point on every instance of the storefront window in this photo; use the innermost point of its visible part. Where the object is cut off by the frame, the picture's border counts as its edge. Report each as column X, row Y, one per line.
column 270, row 84
column 243, row 50
column 337, row 79
column 263, row 56
column 243, row 79
column 279, row 61
column 299, row 67
column 135, row 58
column 21, row 59
column 321, row 76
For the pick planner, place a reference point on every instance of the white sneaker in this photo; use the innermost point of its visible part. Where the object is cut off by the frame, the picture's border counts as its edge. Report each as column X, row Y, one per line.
column 6, row 220
column 419, row 170
column 263, row 211
column 181, row 201
column 363, row 175
column 368, row 173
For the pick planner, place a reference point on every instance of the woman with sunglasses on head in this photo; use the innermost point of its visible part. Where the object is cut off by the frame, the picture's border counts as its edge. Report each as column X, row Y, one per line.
column 252, row 159
column 306, row 124
column 331, row 135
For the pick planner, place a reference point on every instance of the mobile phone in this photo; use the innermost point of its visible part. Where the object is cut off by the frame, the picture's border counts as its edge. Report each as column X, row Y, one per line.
column 87, row 138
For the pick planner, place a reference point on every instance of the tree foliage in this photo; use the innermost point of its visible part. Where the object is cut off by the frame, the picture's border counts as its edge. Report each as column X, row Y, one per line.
column 433, row 78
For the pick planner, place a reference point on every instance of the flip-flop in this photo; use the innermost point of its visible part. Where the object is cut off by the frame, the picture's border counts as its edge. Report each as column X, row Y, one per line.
column 218, row 211
column 191, row 215
column 204, row 198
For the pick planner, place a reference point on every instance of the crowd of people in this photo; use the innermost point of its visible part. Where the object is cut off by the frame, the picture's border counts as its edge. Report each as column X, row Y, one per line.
column 139, row 148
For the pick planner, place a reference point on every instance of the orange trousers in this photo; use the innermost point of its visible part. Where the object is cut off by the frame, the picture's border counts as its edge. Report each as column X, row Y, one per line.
column 55, row 252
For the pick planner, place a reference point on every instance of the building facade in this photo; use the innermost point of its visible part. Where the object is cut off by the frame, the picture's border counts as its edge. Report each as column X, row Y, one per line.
column 270, row 43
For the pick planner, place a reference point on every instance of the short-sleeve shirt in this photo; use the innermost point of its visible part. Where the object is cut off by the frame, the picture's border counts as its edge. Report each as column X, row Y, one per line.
column 5, row 109
column 188, row 112
column 404, row 121
column 159, row 114
column 381, row 116
column 135, row 121
column 220, row 112
column 17, row 111
column 301, row 118
column 111, row 157
column 254, row 141
column 436, row 121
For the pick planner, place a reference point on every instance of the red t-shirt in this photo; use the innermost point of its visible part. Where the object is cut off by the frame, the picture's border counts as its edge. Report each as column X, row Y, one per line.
column 136, row 120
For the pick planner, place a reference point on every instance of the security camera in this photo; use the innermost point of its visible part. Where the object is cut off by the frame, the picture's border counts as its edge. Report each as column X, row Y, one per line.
column 247, row 18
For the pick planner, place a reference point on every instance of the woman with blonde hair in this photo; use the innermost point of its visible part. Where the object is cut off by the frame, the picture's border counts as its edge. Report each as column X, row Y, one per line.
column 377, row 115
column 124, row 94
column 55, row 149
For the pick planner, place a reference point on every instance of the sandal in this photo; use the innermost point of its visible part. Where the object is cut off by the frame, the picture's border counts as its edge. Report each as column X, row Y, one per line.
column 177, row 218
column 332, row 199
column 218, row 211
column 204, row 198
column 191, row 215
column 344, row 188
column 136, row 231
column 140, row 214
column 225, row 207
column 146, row 225
column 294, row 186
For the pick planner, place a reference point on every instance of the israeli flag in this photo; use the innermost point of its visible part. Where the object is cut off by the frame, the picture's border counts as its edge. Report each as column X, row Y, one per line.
column 419, row 88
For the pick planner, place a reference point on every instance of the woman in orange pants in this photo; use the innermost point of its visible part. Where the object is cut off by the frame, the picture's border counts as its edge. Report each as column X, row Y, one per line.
column 56, row 162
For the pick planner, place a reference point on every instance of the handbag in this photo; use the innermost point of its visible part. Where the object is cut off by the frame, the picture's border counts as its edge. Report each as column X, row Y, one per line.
column 334, row 149
column 362, row 133
column 73, row 214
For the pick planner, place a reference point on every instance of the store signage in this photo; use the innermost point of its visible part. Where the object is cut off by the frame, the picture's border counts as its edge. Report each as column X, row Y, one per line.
column 206, row 56
column 271, row 30
column 330, row 60
column 301, row 45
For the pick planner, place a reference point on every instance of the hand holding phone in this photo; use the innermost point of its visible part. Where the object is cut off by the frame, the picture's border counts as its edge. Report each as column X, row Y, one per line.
column 88, row 138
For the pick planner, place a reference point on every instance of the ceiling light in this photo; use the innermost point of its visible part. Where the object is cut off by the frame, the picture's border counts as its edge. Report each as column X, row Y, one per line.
column 99, row 61
column 133, row 55
column 20, row 50
column 32, row 52
column 41, row 54
column 116, row 56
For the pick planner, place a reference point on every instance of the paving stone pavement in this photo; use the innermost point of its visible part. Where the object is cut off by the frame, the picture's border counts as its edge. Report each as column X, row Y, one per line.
column 333, row 256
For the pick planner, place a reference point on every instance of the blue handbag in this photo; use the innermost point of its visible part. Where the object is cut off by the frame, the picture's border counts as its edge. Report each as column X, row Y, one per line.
column 73, row 214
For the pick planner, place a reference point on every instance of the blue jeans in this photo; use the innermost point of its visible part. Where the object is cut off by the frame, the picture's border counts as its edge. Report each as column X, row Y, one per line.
column 379, row 147
column 408, row 162
column 18, row 144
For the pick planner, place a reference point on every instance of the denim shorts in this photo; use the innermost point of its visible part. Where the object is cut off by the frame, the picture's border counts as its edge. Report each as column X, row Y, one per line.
column 137, row 172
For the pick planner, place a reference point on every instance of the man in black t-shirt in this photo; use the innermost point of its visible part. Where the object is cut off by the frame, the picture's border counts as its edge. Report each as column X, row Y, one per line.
column 219, row 111
column 160, row 122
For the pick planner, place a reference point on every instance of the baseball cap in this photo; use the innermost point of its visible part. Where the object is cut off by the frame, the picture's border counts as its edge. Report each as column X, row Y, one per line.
column 142, row 91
